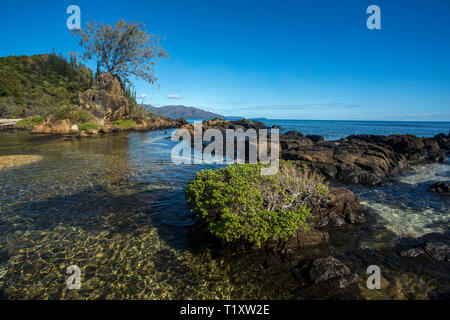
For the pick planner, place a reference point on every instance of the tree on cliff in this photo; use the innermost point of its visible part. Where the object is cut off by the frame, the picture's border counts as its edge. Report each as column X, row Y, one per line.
column 124, row 50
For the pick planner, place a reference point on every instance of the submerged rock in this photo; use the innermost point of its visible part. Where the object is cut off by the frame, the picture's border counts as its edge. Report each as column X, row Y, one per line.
column 327, row 270
column 440, row 187
column 438, row 251
column 412, row 253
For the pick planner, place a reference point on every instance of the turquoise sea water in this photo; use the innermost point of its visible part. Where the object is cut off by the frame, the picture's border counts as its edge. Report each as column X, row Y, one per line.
column 333, row 129
column 337, row 129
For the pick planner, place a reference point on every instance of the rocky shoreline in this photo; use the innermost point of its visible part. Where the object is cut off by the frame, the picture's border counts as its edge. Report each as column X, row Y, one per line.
column 362, row 159
column 357, row 159
column 65, row 127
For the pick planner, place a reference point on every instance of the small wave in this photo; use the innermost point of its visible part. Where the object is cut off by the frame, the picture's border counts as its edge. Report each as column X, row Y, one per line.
column 426, row 173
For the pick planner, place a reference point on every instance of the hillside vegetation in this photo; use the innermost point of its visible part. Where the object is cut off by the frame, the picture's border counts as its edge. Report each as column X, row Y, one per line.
column 37, row 85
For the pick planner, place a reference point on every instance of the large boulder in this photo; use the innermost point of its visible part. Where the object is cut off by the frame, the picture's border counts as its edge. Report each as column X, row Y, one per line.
column 443, row 141
column 106, row 99
column 342, row 208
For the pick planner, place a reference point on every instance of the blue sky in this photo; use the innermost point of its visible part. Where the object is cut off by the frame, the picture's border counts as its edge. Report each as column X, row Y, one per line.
column 275, row 59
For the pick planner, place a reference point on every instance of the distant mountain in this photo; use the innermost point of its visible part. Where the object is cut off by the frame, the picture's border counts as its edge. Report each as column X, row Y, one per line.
column 230, row 118
column 176, row 112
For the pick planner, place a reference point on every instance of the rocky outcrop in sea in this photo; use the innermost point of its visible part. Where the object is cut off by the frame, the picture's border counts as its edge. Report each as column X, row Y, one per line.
column 360, row 159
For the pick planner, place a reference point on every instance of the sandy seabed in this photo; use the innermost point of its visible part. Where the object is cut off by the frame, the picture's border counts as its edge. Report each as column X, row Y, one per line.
column 12, row 161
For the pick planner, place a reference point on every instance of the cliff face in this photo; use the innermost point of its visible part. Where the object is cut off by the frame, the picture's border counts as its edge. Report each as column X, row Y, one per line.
column 105, row 99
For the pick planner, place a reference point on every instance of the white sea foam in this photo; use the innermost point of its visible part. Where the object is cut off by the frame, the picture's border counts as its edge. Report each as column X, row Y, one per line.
column 427, row 172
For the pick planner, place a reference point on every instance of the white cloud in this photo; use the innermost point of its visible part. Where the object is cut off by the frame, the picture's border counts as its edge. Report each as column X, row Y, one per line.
column 142, row 96
column 174, row 96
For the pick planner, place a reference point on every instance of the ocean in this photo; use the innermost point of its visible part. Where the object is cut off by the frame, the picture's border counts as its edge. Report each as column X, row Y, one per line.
column 337, row 129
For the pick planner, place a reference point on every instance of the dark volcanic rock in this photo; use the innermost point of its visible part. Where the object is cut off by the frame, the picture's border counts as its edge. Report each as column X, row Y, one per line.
column 315, row 138
column 412, row 253
column 359, row 159
column 410, row 146
column 443, row 141
column 325, row 270
column 440, row 187
column 343, row 207
column 223, row 125
column 439, row 251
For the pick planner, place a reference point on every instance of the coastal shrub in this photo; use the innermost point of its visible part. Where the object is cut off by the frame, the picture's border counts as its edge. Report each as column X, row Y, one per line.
column 87, row 126
column 238, row 203
column 80, row 116
column 140, row 112
column 9, row 109
column 124, row 123
column 30, row 122
column 72, row 113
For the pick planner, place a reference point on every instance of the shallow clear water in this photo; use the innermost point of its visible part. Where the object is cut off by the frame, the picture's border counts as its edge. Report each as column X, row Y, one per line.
column 405, row 207
column 114, row 206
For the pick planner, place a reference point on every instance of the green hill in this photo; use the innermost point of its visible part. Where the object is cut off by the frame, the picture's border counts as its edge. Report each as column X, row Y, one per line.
column 36, row 85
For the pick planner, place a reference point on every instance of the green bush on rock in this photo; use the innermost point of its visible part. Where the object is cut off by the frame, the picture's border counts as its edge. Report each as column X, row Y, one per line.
column 87, row 126
column 238, row 203
column 72, row 113
column 30, row 122
column 124, row 123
